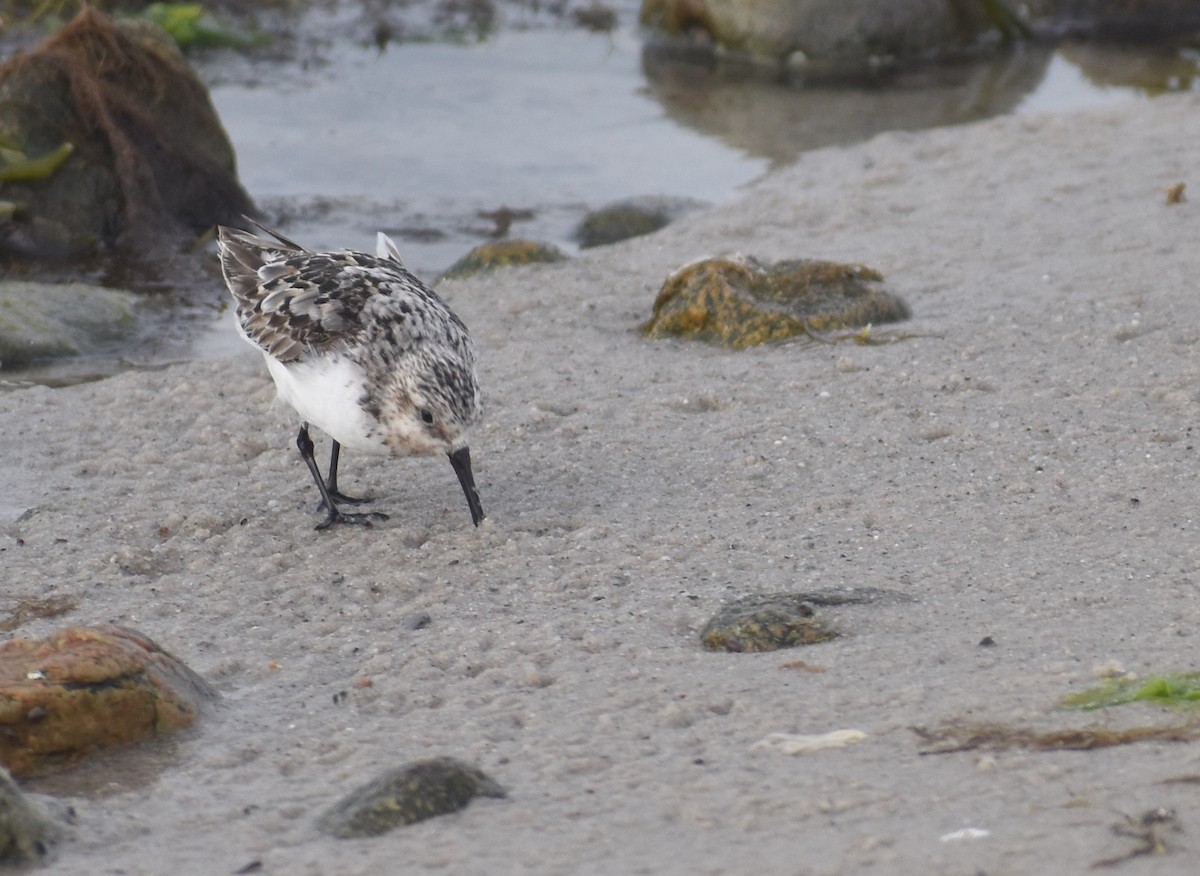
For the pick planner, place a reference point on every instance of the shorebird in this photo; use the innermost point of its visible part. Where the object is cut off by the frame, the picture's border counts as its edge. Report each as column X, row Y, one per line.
column 361, row 349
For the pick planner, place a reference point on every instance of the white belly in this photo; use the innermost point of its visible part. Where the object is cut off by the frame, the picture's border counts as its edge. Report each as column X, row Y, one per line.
column 325, row 393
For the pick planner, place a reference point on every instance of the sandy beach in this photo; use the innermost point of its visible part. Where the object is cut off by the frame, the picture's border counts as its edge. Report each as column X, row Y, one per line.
column 1022, row 464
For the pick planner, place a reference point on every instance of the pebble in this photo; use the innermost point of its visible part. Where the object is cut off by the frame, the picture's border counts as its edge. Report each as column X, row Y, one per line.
column 405, row 795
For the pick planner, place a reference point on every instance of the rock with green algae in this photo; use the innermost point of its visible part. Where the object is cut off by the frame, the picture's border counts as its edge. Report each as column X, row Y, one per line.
column 406, row 795
column 739, row 302
column 503, row 254
column 41, row 320
column 86, row 688
column 769, row 621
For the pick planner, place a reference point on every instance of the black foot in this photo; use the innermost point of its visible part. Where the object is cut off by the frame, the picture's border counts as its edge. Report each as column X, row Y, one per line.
column 354, row 519
column 343, row 499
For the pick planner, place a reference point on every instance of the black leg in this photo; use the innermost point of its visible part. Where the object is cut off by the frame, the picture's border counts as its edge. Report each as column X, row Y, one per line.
column 331, row 482
column 305, row 445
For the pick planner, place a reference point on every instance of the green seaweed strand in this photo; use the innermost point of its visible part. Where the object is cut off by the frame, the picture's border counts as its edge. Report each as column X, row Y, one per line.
column 24, row 170
column 1177, row 689
column 1005, row 20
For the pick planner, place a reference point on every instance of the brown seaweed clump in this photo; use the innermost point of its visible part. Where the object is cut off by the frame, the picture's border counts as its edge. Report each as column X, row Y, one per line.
column 956, row 737
column 140, row 160
column 739, row 302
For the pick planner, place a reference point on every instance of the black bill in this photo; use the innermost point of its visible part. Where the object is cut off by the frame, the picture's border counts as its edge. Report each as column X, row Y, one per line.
column 461, row 460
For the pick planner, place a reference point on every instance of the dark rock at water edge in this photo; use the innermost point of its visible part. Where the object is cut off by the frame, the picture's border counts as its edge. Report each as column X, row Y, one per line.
column 503, row 254
column 406, row 795
column 739, row 302
column 148, row 165
column 632, row 217
column 86, row 688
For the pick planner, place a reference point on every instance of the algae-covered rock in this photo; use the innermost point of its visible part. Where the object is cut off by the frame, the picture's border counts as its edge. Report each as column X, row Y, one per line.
column 145, row 163
column 39, row 320
column 738, row 302
column 405, row 795
column 86, row 688
column 765, row 623
column 503, row 254
column 26, row 832
column 631, row 217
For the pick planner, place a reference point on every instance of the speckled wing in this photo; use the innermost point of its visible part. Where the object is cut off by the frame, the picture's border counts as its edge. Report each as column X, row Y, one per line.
column 289, row 300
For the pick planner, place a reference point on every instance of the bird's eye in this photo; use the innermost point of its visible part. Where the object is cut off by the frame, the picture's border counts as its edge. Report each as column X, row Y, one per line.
column 427, row 417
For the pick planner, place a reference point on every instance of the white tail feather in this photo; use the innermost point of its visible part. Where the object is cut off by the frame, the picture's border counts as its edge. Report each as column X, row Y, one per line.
column 386, row 249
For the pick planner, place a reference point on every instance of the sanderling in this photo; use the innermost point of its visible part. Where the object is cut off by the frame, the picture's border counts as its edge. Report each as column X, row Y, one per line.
column 362, row 349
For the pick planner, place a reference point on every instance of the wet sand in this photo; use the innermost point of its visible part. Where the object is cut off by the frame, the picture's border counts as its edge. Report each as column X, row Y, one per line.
column 1023, row 466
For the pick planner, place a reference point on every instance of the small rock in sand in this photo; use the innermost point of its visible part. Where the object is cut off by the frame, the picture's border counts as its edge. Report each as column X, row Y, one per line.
column 406, row 795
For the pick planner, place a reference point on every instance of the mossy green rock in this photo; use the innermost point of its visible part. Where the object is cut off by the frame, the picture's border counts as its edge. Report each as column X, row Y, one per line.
column 503, row 254
column 41, row 320
column 406, row 795
column 738, row 302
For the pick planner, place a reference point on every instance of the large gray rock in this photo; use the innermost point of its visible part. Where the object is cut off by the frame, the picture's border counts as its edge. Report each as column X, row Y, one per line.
column 835, row 35
column 837, row 38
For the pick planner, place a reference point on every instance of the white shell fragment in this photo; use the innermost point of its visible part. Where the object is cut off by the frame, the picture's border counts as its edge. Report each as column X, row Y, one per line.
column 800, row 743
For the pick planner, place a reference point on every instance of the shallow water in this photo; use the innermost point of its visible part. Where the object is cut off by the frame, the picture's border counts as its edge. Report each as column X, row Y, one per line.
column 421, row 139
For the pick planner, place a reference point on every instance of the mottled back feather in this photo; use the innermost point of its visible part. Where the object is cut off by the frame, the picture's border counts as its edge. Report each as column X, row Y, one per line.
column 292, row 302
